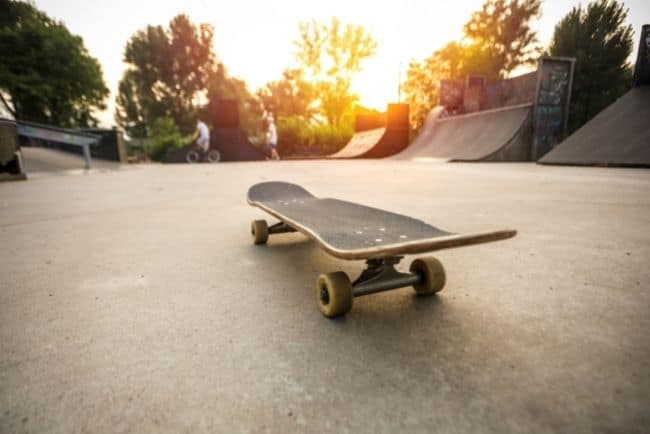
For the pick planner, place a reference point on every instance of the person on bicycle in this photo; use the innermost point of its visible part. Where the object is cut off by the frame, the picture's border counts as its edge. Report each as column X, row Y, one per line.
column 202, row 136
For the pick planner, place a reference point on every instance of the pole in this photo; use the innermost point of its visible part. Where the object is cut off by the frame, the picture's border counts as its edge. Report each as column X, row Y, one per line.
column 86, row 149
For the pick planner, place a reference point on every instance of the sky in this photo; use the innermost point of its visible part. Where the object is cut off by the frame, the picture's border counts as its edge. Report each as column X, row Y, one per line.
column 254, row 39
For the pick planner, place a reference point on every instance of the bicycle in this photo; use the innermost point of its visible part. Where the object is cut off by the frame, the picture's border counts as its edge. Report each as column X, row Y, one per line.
column 196, row 155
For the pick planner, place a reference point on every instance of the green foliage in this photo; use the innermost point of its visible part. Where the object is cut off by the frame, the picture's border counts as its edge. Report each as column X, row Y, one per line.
column 164, row 136
column 290, row 96
column 296, row 137
column 167, row 69
column 329, row 138
column 497, row 39
column 45, row 70
column 423, row 80
column 601, row 43
column 130, row 113
column 170, row 71
column 330, row 55
column 336, row 100
column 333, row 50
column 501, row 32
column 293, row 135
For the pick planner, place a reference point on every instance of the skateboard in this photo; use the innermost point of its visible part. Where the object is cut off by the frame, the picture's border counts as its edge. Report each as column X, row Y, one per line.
column 352, row 231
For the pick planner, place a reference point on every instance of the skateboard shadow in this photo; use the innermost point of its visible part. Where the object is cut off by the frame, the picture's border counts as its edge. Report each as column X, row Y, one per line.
column 300, row 261
column 390, row 341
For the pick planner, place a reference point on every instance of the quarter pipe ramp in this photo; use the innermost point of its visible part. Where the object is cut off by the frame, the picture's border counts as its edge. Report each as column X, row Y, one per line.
column 380, row 142
column 419, row 146
column 360, row 143
column 617, row 136
column 493, row 135
column 377, row 143
column 234, row 145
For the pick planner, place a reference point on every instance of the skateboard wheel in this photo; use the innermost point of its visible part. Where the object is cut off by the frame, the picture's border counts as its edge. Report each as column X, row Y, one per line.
column 259, row 231
column 334, row 294
column 433, row 273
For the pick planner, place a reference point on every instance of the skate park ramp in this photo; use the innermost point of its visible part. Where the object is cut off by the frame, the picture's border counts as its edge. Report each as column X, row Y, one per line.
column 40, row 160
column 377, row 143
column 360, row 143
column 421, row 143
column 380, row 142
column 46, row 148
column 493, row 135
column 234, row 145
column 617, row 136
column 228, row 137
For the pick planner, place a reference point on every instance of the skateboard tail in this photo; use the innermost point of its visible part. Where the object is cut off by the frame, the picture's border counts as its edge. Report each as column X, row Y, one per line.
column 423, row 246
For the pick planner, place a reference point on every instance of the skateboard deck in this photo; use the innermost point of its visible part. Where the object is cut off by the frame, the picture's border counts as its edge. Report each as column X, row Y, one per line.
column 348, row 230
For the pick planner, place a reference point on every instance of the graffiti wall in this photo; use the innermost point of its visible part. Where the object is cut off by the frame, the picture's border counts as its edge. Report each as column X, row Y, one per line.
column 451, row 94
column 475, row 94
column 512, row 91
column 551, row 103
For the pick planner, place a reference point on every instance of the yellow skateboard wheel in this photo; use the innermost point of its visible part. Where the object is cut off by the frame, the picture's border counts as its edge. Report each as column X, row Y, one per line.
column 259, row 231
column 334, row 294
column 433, row 274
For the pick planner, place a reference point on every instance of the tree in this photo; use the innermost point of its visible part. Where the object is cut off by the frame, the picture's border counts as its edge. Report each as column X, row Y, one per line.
column 497, row 39
column 222, row 86
column 601, row 43
column 130, row 112
column 501, row 30
column 168, row 70
column 290, row 96
column 330, row 55
column 422, row 83
column 164, row 136
column 46, row 72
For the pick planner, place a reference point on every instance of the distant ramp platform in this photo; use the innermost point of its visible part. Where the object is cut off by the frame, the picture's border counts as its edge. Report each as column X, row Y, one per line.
column 380, row 142
column 38, row 159
column 360, row 143
column 617, row 136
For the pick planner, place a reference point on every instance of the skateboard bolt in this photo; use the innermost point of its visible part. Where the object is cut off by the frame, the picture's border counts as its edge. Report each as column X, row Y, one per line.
column 324, row 295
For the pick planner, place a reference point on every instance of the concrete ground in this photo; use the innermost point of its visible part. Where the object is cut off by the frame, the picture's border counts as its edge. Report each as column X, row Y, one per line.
column 134, row 301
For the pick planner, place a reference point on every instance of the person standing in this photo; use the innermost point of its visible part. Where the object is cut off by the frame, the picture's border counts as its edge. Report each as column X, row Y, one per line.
column 272, row 137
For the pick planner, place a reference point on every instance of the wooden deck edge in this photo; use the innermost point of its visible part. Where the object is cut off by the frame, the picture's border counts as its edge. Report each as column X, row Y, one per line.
column 411, row 247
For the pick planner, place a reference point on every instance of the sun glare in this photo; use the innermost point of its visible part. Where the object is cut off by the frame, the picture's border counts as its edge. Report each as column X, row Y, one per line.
column 401, row 36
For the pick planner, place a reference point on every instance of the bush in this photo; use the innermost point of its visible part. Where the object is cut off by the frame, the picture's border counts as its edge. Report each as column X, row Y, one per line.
column 298, row 137
column 164, row 136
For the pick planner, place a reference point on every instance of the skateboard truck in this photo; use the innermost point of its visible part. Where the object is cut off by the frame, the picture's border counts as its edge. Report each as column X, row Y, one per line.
column 261, row 231
column 280, row 228
column 381, row 275
column 335, row 291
